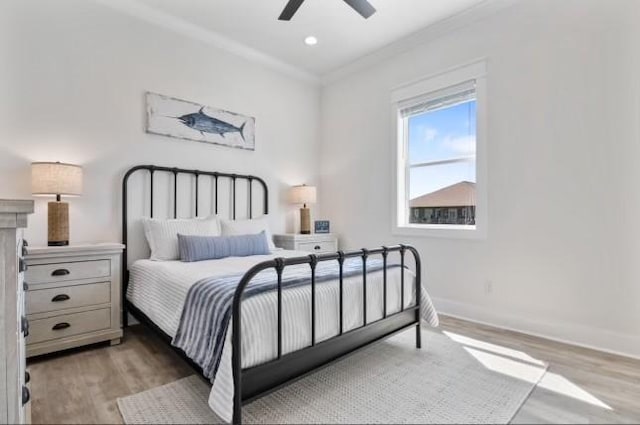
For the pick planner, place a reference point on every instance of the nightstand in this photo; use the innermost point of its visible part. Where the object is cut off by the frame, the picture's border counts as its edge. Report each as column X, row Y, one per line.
column 73, row 296
column 318, row 243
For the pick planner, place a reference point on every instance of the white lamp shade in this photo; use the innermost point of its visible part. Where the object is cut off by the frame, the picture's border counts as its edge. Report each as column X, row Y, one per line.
column 55, row 178
column 302, row 194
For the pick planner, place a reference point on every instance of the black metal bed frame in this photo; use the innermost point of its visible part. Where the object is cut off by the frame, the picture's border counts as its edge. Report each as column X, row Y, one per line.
column 251, row 383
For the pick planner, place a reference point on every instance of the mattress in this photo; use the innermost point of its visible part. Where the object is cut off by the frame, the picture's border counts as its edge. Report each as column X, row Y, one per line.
column 159, row 289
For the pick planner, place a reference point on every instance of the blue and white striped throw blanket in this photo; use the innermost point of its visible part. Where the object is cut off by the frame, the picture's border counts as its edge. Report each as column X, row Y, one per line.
column 207, row 310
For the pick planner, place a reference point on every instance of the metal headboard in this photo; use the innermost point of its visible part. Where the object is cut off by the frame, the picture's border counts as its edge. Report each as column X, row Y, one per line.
column 217, row 177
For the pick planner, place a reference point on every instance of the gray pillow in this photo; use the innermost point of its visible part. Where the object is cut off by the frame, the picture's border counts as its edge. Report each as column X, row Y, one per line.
column 198, row 248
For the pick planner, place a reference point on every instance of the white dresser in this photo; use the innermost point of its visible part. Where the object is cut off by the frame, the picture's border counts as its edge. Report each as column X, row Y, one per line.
column 73, row 296
column 14, row 385
column 318, row 243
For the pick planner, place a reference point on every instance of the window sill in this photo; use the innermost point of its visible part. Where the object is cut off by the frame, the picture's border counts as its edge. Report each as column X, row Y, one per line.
column 444, row 231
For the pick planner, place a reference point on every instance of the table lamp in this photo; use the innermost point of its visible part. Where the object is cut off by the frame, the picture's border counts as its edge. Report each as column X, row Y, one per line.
column 303, row 195
column 55, row 178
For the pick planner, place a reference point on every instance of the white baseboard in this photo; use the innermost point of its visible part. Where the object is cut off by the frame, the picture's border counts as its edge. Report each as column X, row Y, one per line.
column 583, row 336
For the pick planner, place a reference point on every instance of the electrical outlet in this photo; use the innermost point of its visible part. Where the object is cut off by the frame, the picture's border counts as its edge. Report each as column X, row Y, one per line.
column 488, row 287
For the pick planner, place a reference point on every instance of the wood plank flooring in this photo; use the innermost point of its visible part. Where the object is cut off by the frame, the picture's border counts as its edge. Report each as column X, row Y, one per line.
column 582, row 386
column 575, row 374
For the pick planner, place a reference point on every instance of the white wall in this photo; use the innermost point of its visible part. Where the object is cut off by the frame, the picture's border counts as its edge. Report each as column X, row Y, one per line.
column 564, row 165
column 72, row 79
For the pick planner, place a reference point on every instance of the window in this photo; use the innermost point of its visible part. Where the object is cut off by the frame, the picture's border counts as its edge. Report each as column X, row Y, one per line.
column 441, row 155
column 440, row 186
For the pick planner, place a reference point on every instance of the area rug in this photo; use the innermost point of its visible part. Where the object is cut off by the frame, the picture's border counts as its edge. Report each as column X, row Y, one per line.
column 452, row 379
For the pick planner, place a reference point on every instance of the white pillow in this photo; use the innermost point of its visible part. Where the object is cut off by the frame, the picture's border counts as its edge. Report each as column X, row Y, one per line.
column 248, row 227
column 162, row 234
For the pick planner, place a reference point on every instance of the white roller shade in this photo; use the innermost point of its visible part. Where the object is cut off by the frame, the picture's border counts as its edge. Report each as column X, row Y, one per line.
column 439, row 99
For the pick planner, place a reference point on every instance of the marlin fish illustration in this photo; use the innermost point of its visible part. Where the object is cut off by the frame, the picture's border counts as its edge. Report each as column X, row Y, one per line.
column 205, row 124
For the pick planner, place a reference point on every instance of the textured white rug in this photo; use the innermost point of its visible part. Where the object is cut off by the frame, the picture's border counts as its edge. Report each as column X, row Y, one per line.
column 451, row 380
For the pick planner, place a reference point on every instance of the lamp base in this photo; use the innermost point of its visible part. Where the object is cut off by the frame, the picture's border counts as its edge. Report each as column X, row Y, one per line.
column 58, row 243
column 58, row 224
column 305, row 221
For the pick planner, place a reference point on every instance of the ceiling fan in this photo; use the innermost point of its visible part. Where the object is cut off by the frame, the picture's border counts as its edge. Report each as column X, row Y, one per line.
column 363, row 7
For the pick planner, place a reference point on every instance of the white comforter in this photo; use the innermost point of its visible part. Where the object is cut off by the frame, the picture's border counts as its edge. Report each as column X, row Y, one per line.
column 159, row 290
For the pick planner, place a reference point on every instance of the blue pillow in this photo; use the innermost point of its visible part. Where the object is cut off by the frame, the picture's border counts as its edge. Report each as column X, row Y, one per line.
column 198, row 248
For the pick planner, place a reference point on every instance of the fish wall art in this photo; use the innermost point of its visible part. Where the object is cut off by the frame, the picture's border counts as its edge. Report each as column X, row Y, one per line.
column 171, row 117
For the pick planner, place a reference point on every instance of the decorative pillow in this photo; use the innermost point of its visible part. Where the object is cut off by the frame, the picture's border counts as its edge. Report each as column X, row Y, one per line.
column 198, row 248
column 248, row 227
column 162, row 235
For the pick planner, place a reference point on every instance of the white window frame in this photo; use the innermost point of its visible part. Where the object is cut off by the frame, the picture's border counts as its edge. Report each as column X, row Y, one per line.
column 403, row 95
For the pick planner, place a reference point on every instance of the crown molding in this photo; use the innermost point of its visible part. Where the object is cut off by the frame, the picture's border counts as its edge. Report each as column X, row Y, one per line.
column 183, row 27
column 178, row 25
column 427, row 34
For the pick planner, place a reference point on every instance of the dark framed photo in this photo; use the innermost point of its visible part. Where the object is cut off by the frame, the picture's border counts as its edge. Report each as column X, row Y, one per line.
column 321, row 226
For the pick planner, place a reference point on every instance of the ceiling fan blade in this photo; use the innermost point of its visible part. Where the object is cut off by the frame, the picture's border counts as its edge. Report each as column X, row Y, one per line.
column 290, row 9
column 363, row 7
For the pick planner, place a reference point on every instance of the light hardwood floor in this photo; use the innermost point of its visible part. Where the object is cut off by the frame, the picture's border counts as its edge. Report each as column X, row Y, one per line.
column 581, row 386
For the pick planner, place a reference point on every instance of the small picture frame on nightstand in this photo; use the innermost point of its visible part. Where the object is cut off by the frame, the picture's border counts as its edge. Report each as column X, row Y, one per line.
column 321, row 226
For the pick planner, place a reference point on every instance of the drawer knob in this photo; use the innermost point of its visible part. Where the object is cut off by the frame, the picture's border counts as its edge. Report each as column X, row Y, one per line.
column 60, row 326
column 24, row 324
column 22, row 266
column 60, row 272
column 25, row 286
column 317, row 247
column 26, row 395
column 27, row 377
column 60, row 297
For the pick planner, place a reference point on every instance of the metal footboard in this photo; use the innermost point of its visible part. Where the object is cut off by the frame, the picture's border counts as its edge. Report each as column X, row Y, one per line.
column 257, row 381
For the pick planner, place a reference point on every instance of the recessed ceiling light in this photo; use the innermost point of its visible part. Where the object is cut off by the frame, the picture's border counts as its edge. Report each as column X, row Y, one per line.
column 311, row 41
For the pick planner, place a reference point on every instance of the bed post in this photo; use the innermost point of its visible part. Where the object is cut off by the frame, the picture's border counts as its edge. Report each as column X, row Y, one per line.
column 236, row 361
column 125, row 274
column 236, row 347
column 418, row 266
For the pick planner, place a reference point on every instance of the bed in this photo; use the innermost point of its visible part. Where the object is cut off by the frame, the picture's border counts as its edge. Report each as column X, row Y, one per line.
column 289, row 312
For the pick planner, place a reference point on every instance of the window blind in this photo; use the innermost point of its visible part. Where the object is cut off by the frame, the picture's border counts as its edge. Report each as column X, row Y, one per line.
column 439, row 99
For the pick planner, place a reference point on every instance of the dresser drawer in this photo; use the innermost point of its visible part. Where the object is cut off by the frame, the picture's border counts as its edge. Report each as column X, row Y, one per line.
column 54, row 299
column 317, row 247
column 68, row 325
column 60, row 272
